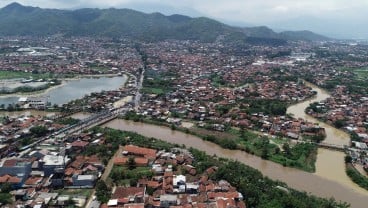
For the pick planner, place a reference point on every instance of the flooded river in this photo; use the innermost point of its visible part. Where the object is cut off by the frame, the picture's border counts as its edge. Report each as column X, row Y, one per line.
column 333, row 135
column 329, row 164
column 313, row 183
column 329, row 180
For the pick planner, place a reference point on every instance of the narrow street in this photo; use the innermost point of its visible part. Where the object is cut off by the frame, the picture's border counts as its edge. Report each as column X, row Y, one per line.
column 106, row 174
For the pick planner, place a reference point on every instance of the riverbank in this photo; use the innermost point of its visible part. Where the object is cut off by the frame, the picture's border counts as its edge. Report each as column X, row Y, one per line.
column 258, row 191
column 35, row 92
column 74, row 89
column 329, row 164
column 297, row 179
column 356, row 176
column 301, row 156
column 333, row 135
column 63, row 83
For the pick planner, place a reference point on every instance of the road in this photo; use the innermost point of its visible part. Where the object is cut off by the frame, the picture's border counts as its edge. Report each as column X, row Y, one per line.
column 138, row 94
column 106, row 174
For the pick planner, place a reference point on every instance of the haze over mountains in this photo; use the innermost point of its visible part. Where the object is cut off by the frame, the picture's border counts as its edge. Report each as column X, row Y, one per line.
column 16, row 19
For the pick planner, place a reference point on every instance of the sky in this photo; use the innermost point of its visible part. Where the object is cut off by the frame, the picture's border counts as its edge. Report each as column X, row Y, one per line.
column 330, row 17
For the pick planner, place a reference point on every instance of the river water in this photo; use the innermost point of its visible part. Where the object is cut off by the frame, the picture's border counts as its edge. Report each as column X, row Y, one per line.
column 72, row 89
column 333, row 135
column 329, row 180
column 297, row 179
column 329, row 164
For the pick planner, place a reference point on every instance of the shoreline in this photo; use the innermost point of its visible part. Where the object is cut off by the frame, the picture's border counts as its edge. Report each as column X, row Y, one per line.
column 63, row 83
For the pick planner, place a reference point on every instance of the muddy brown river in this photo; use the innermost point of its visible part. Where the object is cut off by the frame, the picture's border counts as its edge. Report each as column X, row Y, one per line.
column 313, row 183
column 329, row 180
column 297, row 179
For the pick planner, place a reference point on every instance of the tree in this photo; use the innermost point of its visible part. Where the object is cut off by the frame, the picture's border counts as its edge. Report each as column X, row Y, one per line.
column 5, row 188
column 286, row 148
column 339, row 123
column 39, row 131
column 348, row 159
column 131, row 163
column 5, row 198
column 102, row 191
column 264, row 154
column 277, row 150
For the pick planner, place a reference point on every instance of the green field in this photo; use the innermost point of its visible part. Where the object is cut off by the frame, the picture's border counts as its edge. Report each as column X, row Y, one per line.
column 361, row 73
column 122, row 175
column 157, row 91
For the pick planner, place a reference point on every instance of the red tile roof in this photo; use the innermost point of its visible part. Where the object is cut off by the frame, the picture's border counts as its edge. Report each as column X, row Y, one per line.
column 122, row 192
column 33, row 180
column 79, row 143
column 9, row 179
column 141, row 205
column 146, row 152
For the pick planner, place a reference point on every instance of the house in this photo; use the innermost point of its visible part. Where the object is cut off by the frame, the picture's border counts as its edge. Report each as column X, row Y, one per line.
column 17, row 170
column 54, row 163
column 127, row 195
column 84, row 181
column 13, row 180
column 79, row 145
column 139, row 151
column 134, row 205
column 168, row 200
column 179, row 183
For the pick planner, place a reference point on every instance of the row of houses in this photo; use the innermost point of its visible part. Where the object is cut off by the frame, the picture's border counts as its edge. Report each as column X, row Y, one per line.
column 168, row 186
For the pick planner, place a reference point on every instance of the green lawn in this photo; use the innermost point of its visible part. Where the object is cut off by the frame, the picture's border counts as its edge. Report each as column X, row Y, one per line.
column 121, row 175
column 362, row 73
column 157, row 91
column 301, row 156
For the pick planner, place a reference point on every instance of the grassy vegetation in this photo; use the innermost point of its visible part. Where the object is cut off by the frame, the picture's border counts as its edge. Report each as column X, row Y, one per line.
column 361, row 73
column 355, row 176
column 217, row 80
column 68, row 121
column 148, row 90
column 356, row 81
column 122, row 175
column 301, row 156
column 269, row 107
column 158, row 82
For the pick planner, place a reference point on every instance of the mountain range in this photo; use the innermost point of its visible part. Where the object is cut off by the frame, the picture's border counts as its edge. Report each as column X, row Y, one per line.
column 16, row 19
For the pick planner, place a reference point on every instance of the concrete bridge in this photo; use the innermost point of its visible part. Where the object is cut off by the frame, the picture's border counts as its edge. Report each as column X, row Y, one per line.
column 332, row 146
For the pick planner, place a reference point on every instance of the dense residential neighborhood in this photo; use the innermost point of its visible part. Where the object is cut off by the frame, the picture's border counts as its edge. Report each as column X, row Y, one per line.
column 236, row 97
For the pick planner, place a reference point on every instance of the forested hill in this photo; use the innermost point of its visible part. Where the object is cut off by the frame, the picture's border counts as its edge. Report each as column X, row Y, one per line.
column 16, row 19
